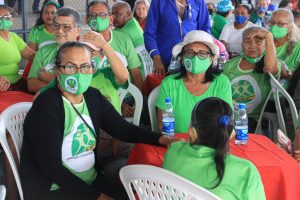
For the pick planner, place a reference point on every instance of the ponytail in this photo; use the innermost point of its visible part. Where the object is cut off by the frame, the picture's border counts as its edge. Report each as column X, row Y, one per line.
column 221, row 152
column 212, row 119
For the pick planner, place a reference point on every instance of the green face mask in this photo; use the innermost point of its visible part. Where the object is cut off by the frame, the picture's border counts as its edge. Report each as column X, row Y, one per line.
column 254, row 60
column 5, row 24
column 196, row 65
column 99, row 24
column 278, row 32
column 75, row 83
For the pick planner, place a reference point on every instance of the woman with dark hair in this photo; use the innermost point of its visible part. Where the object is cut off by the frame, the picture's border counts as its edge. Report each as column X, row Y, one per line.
column 205, row 159
column 249, row 73
column 42, row 32
column 59, row 157
column 231, row 35
column 196, row 81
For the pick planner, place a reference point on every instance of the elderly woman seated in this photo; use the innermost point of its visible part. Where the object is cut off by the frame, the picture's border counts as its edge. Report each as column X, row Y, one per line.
column 196, row 81
column 59, row 157
column 205, row 159
column 286, row 38
column 12, row 48
column 249, row 73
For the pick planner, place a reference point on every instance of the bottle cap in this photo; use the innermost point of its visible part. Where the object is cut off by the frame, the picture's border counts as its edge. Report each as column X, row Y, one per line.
column 242, row 106
column 168, row 100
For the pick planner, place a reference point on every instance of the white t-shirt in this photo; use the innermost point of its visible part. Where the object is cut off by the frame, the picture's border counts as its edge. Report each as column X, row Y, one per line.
column 233, row 36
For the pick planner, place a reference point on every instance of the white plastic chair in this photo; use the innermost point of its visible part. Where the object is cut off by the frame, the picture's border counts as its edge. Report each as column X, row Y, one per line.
column 145, row 59
column 11, row 121
column 2, row 192
column 279, row 92
column 152, row 110
column 154, row 183
column 138, row 98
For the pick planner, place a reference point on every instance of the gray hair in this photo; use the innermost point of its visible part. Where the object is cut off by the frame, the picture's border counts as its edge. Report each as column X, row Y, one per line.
column 139, row 2
column 123, row 4
column 294, row 35
column 254, row 28
column 69, row 12
column 94, row 3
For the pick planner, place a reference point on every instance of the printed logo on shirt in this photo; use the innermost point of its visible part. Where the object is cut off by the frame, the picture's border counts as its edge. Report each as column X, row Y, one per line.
column 82, row 140
column 246, row 90
column 78, row 145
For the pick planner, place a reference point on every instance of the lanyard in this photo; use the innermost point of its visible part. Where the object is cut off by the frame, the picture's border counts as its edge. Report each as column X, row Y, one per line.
column 84, row 120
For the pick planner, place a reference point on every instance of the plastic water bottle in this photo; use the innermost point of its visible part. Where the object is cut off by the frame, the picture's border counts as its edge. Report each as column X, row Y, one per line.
column 222, row 61
column 168, row 122
column 241, row 125
column 174, row 66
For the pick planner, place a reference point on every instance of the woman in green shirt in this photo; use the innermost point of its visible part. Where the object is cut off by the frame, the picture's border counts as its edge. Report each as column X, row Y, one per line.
column 205, row 159
column 196, row 81
column 42, row 31
column 286, row 38
column 249, row 73
column 12, row 48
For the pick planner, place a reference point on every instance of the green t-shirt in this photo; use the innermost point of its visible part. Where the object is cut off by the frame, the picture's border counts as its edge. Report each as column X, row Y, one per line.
column 218, row 23
column 135, row 32
column 78, row 143
column 104, row 81
column 293, row 59
column 45, row 57
column 196, row 163
column 248, row 86
column 39, row 34
column 10, row 57
column 121, row 43
column 183, row 101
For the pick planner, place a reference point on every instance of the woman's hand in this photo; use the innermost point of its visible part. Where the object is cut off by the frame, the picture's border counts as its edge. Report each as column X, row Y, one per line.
column 95, row 38
column 166, row 140
column 261, row 34
column 4, row 83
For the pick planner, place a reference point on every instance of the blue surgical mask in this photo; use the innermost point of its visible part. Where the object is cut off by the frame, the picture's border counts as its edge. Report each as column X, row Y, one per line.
column 240, row 19
column 262, row 9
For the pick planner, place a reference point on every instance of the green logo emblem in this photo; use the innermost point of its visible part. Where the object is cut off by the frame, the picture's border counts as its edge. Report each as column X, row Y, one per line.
column 71, row 83
column 243, row 92
column 83, row 140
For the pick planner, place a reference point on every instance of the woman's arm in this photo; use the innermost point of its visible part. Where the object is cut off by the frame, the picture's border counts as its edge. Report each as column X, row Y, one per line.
column 4, row 83
column 270, row 60
column 33, row 46
column 28, row 53
column 119, row 69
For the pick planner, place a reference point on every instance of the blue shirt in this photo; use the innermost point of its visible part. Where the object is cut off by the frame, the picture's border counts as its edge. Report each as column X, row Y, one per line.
column 163, row 29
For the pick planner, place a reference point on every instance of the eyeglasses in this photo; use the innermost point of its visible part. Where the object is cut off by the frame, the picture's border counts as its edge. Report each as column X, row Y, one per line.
column 72, row 69
column 65, row 27
column 201, row 54
column 281, row 24
column 94, row 15
column 8, row 17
